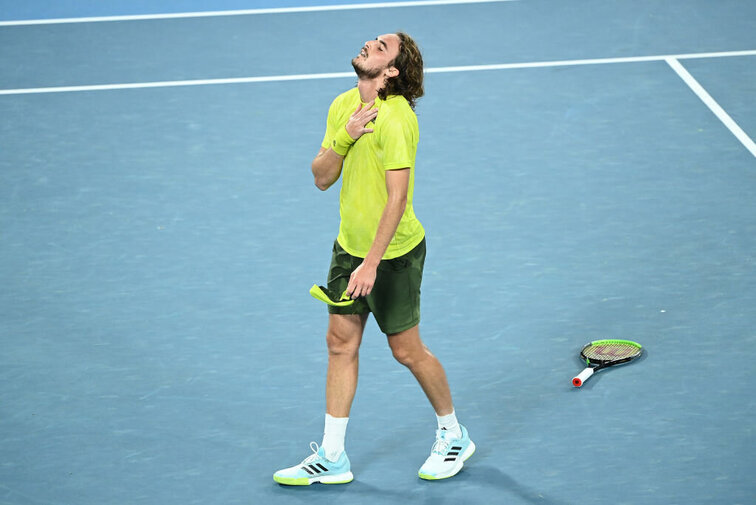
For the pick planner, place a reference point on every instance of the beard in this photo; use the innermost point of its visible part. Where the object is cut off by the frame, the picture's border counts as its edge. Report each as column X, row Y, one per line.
column 364, row 73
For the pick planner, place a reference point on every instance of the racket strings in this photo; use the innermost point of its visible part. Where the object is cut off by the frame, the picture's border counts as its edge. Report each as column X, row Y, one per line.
column 609, row 352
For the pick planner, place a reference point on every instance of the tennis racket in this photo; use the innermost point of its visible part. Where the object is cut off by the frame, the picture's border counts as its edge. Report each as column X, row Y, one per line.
column 603, row 354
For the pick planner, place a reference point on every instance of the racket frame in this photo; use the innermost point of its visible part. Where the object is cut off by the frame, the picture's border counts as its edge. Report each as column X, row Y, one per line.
column 595, row 364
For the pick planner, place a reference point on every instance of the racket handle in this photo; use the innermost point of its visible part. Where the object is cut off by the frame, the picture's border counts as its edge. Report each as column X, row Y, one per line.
column 582, row 377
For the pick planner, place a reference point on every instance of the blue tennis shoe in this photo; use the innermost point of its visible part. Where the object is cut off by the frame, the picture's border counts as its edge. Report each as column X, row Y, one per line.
column 448, row 455
column 316, row 468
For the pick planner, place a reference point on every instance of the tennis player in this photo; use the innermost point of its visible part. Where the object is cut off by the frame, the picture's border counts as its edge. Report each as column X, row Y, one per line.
column 370, row 142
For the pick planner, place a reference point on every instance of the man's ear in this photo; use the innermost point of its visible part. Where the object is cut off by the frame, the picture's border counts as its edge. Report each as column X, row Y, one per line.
column 392, row 72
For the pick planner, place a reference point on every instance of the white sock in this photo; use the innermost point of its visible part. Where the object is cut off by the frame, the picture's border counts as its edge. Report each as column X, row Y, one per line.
column 333, row 436
column 450, row 424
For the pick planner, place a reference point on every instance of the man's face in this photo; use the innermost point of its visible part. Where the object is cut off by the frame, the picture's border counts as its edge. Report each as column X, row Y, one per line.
column 376, row 55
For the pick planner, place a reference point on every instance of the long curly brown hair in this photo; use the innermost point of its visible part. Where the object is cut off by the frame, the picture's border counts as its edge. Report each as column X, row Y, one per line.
column 409, row 82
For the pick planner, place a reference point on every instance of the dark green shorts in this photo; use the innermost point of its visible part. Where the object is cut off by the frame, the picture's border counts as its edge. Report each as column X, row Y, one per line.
column 395, row 298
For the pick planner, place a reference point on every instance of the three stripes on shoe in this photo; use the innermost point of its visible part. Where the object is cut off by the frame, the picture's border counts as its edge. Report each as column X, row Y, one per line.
column 314, row 469
column 452, row 454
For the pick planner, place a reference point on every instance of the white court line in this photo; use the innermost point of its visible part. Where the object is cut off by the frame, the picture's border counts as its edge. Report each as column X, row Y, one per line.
column 168, row 84
column 246, row 12
column 338, row 75
column 706, row 98
column 594, row 61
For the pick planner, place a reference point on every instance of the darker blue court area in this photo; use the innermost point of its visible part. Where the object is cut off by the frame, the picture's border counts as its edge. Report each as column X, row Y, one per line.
column 157, row 341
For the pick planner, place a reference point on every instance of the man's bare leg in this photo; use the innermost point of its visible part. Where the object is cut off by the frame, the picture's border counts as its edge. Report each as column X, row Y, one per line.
column 410, row 351
column 344, row 337
column 453, row 445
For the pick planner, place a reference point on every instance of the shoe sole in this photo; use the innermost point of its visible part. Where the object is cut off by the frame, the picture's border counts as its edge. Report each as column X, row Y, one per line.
column 455, row 470
column 342, row 478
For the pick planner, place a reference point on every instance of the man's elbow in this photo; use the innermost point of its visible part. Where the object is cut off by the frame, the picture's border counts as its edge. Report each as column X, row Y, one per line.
column 321, row 184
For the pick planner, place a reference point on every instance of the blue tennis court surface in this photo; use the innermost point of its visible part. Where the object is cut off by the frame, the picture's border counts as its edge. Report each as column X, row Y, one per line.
column 160, row 230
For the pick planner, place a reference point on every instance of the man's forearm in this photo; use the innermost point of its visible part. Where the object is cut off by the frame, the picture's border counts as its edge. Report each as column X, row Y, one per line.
column 326, row 168
column 392, row 215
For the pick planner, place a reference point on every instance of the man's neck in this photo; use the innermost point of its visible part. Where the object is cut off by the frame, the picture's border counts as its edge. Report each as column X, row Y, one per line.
column 369, row 88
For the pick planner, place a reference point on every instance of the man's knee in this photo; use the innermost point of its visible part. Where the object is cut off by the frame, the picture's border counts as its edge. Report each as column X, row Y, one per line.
column 408, row 350
column 404, row 356
column 344, row 336
column 342, row 344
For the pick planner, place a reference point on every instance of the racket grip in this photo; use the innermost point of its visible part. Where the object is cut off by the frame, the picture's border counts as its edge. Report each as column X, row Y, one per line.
column 582, row 377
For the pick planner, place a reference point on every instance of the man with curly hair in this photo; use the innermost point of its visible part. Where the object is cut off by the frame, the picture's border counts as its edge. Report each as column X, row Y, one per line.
column 370, row 142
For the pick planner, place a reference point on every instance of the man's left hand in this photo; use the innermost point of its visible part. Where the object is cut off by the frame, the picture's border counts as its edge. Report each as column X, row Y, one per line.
column 361, row 281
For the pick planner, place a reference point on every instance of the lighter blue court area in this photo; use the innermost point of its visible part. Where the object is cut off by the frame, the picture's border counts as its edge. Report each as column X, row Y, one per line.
column 157, row 341
column 11, row 10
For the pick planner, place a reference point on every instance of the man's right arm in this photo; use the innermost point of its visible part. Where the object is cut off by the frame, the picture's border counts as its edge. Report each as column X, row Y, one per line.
column 326, row 168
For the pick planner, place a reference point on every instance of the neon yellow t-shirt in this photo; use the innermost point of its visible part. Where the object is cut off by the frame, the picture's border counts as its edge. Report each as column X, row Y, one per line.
column 391, row 146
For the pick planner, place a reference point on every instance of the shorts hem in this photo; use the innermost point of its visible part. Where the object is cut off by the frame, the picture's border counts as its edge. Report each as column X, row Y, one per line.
column 347, row 311
column 400, row 328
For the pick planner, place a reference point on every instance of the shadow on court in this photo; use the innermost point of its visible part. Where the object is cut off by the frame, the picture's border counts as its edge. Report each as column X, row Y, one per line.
column 479, row 481
column 491, row 477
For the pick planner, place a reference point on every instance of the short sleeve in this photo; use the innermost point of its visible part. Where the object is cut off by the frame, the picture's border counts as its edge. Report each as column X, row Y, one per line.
column 331, row 126
column 398, row 141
